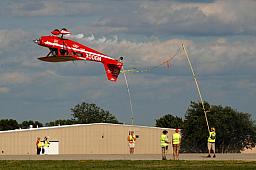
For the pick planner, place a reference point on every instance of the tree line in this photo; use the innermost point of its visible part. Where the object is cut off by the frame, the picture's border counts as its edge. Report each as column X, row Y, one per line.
column 83, row 113
column 235, row 130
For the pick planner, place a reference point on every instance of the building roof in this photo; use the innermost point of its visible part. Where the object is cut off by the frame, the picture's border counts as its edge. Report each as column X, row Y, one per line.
column 76, row 125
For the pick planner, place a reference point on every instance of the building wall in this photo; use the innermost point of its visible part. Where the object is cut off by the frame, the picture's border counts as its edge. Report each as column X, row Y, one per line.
column 98, row 138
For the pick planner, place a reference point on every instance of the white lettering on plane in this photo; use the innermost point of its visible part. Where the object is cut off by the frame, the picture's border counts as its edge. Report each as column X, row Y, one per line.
column 89, row 55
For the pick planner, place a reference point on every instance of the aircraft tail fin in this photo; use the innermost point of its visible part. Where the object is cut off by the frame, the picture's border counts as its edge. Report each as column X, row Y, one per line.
column 113, row 70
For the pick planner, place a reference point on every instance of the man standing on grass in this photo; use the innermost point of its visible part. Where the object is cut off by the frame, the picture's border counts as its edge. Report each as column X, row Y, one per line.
column 164, row 142
column 211, row 142
column 131, row 139
column 176, row 141
column 38, row 146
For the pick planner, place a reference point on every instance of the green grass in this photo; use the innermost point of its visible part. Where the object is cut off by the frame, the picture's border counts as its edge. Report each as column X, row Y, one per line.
column 125, row 165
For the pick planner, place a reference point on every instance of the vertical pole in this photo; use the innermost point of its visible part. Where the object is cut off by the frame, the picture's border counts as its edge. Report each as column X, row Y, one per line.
column 197, row 86
column 130, row 98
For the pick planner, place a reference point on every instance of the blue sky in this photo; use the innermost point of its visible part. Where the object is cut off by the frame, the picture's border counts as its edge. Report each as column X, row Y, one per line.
column 220, row 37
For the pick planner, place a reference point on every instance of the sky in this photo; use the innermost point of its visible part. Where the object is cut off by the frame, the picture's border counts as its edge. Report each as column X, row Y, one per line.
column 220, row 36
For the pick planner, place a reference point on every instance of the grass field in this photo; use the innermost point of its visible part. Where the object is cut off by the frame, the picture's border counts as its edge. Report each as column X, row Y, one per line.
column 125, row 165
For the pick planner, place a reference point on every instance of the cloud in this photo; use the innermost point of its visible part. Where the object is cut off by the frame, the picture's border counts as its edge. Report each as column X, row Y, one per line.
column 197, row 17
column 42, row 8
column 212, row 56
column 4, row 90
column 11, row 37
column 151, row 52
column 195, row 1
column 52, row 8
column 220, row 55
column 225, row 56
column 179, row 18
column 14, row 78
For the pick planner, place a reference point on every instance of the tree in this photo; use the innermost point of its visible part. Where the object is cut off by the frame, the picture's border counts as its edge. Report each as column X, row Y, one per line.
column 8, row 124
column 195, row 130
column 26, row 124
column 61, row 122
column 91, row 113
column 169, row 121
column 232, row 128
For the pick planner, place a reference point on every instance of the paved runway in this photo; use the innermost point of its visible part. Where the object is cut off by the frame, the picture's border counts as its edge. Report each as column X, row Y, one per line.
column 194, row 156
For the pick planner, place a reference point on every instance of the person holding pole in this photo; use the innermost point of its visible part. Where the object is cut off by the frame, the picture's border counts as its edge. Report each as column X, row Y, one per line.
column 131, row 139
column 211, row 142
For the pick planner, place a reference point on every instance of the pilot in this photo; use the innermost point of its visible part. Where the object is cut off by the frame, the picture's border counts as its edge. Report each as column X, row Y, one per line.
column 63, row 52
column 54, row 51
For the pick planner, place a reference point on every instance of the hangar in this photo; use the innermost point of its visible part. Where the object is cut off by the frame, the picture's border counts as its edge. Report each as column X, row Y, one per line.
column 96, row 138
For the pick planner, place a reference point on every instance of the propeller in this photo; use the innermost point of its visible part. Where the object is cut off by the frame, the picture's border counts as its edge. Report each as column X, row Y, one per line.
column 36, row 41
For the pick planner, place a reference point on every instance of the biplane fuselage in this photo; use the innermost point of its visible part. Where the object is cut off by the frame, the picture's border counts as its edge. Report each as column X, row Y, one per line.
column 62, row 49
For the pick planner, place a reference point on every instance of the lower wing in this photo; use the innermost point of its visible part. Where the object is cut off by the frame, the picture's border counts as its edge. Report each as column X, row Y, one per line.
column 112, row 70
column 57, row 58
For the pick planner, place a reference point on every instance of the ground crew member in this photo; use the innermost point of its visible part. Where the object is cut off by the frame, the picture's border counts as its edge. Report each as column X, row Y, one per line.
column 46, row 144
column 38, row 146
column 41, row 145
column 131, row 139
column 211, row 142
column 164, row 143
column 176, row 141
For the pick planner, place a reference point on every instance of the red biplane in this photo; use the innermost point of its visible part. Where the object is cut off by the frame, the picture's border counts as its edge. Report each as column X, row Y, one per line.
column 62, row 49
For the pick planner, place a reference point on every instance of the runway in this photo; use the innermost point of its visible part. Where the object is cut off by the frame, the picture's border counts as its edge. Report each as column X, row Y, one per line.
column 187, row 156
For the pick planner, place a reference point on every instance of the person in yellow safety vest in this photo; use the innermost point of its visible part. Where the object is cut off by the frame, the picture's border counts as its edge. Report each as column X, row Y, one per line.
column 176, row 141
column 41, row 144
column 164, row 142
column 38, row 146
column 46, row 144
column 211, row 142
column 131, row 139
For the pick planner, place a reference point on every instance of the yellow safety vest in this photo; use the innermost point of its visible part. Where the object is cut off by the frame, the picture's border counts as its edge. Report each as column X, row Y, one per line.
column 163, row 140
column 40, row 144
column 176, row 138
column 46, row 143
column 132, row 139
column 212, row 137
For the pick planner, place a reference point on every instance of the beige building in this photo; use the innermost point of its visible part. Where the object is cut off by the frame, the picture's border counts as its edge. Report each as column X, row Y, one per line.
column 97, row 138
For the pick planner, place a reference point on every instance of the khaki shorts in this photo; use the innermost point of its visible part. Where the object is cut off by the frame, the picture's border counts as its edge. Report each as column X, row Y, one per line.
column 131, row 145
column 211, row 146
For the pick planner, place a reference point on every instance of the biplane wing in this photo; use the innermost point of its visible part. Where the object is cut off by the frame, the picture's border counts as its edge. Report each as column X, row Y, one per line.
column 57, row 58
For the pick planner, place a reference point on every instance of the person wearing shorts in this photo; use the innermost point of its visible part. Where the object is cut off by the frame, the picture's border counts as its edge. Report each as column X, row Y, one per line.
column 131, row 139
column 211, row 142
column 164, row 143
column 176, row 141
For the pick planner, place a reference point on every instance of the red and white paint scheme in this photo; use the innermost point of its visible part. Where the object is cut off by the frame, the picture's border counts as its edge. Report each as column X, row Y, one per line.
column 62, row 49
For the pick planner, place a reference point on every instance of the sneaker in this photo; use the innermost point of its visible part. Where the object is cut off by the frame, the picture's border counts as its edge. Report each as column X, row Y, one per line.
column 214, row 156
column 209, row 156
